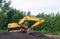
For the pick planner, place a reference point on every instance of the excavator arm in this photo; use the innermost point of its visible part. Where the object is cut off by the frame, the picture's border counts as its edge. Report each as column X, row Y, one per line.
column 38, row 20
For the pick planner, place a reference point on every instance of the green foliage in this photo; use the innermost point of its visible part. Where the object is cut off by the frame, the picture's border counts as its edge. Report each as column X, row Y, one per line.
column 17, row 16
column 5, row 6
column 51, row 24
column 3, row 20
column 4, row 30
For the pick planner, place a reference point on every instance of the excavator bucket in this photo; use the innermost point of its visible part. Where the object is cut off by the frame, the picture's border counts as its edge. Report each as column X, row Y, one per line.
column 30, row 31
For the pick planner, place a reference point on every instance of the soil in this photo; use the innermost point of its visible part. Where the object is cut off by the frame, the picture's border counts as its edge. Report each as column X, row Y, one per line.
column 19, row 35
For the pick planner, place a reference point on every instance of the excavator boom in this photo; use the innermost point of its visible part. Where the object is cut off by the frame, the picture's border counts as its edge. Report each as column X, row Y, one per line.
column 38, row 20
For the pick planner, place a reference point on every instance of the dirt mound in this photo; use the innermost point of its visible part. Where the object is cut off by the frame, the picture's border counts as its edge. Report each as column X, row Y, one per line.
column 18, row 35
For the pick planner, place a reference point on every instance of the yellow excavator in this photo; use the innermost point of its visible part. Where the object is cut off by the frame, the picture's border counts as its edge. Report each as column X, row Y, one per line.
column 21, row 25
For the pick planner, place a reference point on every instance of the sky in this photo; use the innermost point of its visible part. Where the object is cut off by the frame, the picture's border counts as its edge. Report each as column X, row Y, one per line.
column 37, row 6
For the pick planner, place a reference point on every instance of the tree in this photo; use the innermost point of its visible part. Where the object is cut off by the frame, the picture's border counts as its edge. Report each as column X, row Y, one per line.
column 17, row 16
column 5, row 6
column 10, row 14
column 28, row 14
column 3, row 20
column 42, row 15
column 0, row 3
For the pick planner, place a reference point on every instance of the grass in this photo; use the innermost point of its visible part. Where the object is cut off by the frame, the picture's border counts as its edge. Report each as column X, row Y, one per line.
column 4, row 30
column 49, row 33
